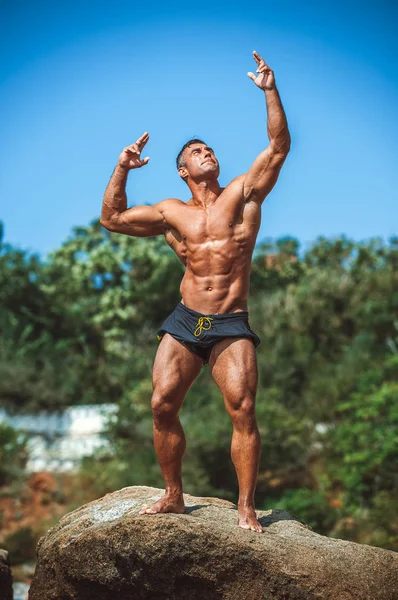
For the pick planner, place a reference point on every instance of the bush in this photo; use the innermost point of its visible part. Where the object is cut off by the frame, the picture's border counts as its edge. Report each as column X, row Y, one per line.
column 21, row 545
column 310, row 506
column 13, row 454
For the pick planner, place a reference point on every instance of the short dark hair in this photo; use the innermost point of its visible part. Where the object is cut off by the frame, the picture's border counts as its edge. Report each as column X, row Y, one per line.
column 180, row 159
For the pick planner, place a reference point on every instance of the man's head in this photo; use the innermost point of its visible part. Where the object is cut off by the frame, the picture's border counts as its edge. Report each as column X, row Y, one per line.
column 197, row 161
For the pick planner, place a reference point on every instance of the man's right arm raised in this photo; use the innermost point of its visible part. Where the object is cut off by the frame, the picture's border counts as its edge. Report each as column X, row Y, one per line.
column 139, row 221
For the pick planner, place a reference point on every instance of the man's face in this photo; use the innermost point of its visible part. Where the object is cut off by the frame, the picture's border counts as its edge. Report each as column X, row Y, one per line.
column 200, row 162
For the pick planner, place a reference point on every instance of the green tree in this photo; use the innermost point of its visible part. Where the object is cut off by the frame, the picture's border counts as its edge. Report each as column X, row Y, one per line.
column 13, row 454
column 80, row 327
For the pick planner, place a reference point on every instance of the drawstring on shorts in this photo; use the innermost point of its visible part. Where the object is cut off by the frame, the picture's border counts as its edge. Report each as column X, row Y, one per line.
column 203, row 324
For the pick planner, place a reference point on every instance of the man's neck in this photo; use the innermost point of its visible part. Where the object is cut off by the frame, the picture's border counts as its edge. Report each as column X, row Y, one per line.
column 205, row 193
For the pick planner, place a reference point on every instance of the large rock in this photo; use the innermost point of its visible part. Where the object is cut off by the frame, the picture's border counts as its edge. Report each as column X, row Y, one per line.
column 106, row 551
column 5, row 577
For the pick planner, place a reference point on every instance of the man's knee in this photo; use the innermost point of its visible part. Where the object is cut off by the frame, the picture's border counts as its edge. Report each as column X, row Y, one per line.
column 242, row 411
column 165, row 406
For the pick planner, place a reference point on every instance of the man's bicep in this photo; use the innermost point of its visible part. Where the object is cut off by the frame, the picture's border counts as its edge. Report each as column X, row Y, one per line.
column 141, row 221
column 262, row 175
column 145, row 216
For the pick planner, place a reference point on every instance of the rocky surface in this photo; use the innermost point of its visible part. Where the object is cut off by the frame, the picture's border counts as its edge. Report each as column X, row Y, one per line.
column 106, row 551
column 5, row 577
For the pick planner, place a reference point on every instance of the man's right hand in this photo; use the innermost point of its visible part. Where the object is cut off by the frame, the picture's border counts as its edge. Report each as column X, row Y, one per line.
column 130, row 158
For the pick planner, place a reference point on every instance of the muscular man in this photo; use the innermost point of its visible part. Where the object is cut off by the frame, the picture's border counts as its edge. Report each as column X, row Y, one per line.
column 213, row 234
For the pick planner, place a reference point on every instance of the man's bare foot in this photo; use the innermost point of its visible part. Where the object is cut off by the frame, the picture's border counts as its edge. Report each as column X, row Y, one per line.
column 167, row 504
column 247, row 519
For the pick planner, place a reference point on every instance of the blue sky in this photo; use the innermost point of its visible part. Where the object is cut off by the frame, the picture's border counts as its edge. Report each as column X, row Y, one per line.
column 81, row 80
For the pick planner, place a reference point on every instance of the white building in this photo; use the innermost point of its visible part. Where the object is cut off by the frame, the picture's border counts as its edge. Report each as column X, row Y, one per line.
column 59, row 440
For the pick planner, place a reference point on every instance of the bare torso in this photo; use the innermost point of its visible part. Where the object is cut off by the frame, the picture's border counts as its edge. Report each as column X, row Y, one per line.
column 214, row 233
column 215, row 243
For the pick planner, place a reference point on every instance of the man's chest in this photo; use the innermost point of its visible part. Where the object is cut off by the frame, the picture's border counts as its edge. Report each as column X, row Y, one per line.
column 218, row 222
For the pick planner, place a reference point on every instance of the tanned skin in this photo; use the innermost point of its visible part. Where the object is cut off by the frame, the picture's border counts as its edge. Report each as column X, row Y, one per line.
column 214, row 235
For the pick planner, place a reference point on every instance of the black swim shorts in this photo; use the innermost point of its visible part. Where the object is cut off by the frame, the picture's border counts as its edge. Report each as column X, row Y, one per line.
column 200, row 332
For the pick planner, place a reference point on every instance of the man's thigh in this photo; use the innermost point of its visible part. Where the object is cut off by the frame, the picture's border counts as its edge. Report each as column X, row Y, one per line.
column 174, row 370
column 233, row 365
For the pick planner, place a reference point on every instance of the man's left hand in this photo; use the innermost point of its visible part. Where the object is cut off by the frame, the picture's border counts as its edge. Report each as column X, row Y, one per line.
column 265, row 79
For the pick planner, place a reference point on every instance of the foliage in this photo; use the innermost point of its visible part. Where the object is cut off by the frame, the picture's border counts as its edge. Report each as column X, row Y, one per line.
column 311, row 507
column 21, row 545
column 80, row 328
column 13, row 454
column 68, row 324
column 362, row 449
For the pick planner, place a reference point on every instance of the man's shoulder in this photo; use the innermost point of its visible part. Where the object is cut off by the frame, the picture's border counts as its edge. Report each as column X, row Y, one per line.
column 234, row 189
column 169, row 202
column 236, row 182
column 239, row 178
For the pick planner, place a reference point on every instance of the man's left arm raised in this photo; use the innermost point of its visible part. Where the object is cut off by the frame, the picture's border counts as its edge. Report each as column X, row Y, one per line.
column 264, row 172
